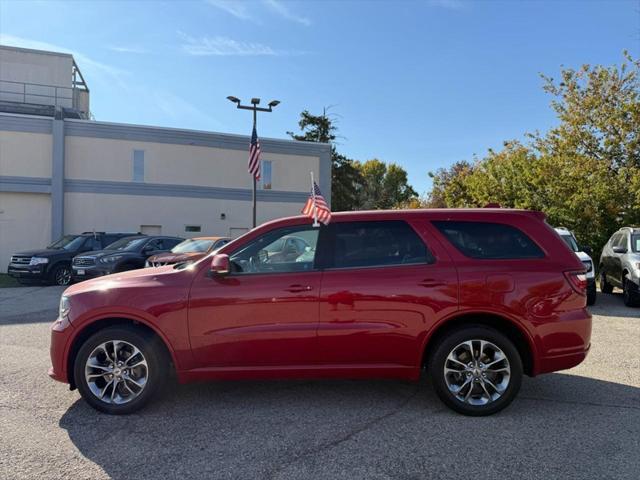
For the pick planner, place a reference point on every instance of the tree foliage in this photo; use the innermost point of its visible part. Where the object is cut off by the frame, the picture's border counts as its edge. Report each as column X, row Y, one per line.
column 584, row 173
column 355, row 185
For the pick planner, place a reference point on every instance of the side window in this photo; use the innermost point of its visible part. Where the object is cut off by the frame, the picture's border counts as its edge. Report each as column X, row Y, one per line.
column 109, row 239
column 92, row 243
column 289, row 249
column 484, row 240
column 621, row 241
column 153, row 245
column 372, row 244
column 169, row 243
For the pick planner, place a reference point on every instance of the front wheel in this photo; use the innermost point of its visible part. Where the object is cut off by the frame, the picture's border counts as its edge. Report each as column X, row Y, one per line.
column 605, row 287
column 61, row 275
column 119, row 369
column 630, row 297
column 476, row 370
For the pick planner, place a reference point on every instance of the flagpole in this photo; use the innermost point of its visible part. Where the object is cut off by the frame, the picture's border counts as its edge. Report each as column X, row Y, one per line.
column 315, row 209
column 253, row 198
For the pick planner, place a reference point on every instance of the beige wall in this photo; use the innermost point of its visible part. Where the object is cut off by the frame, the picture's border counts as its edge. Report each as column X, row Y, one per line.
column 25, row 154
column 106, row 212
column 25, row 223
column 89, row 158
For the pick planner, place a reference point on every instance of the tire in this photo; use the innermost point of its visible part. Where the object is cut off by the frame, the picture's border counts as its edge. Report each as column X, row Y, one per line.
column 605, row 287
column 630, row 297
column 591, row 296
column 457, row 341
column 152, row 376
column 61, row 275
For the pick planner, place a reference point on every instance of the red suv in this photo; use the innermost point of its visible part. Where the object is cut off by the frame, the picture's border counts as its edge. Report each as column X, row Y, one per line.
column 478, row 297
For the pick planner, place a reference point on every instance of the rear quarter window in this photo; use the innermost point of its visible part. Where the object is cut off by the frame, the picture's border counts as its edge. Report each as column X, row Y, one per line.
column 485, row 240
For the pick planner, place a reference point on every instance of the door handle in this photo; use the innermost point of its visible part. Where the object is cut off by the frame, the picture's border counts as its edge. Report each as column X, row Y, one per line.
column 430, row 283
column 298, row 288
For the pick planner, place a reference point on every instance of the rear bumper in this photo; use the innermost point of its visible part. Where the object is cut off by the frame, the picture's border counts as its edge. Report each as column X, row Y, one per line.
column 565, row 342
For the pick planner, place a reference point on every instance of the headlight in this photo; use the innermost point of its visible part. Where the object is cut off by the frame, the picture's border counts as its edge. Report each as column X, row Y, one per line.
column 110, row 259
column 65, row 307
column 38, row 260
column 588, row 265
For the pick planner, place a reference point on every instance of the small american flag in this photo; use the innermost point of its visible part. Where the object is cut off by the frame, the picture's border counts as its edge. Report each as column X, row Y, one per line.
column 254, row 155
column 316, row 206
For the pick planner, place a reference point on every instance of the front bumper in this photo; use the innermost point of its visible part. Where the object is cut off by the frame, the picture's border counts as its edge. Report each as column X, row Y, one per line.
column 36, row 272
column 61, row 332
column 80, row 273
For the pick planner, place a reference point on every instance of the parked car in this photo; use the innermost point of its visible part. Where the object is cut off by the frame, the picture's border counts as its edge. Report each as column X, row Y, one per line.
column 620, row 265
column 583, row 253
column 127, row 253
column 477, row 297
column 190, row 250
column 53, row 264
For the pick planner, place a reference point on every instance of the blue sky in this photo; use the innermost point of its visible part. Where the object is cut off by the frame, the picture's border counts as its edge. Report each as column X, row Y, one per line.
column 419, row 83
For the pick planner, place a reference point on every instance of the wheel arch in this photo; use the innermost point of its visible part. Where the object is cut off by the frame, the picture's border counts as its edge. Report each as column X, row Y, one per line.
column 515, row 332
column 99, row 324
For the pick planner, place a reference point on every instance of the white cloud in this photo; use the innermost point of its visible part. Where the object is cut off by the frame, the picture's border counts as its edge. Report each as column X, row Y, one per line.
column 281, row 9
column 236, row 8
column 128, row 49
column 224, row 46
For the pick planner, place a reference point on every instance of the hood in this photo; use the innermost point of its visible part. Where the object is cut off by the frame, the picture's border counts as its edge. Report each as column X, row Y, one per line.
column 143, row 277
column 104, row 253
column 44, row 252
column 169, row 257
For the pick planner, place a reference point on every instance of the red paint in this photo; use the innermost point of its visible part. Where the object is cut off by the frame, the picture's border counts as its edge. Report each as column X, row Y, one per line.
column 356, row 322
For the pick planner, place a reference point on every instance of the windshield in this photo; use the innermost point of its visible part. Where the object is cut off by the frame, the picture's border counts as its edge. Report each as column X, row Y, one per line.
column 68, row 242
column 192, row 246
column 570, row 241
column 126, row 244
column 635, row 242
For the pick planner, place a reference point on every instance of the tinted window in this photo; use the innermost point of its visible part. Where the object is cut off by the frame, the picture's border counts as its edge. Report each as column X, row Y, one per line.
column 169, row 243
column 68, row 242
column 635, row 242
column 370, row 244
column 109, row 239
column 127, row 243
column 193, row 246
column 92, row 243
column 289, row 249
column 489, row 240
column 570, row 241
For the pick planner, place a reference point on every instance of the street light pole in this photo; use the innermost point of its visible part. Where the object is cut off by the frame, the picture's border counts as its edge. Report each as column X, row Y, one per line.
column 254, row 107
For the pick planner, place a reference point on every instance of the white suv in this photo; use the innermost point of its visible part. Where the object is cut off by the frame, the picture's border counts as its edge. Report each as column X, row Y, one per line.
column 581, row 252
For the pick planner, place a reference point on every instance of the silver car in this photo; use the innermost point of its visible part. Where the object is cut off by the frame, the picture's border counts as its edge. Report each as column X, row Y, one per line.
column 620, row 265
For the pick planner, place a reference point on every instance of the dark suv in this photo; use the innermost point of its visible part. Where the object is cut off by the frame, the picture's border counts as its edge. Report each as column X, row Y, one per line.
column 53, row 264
column 127, row 253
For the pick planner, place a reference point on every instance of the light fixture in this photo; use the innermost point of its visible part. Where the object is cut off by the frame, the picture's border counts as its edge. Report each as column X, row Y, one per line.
column 274, row 103
column 233, row 99
column 255, row 101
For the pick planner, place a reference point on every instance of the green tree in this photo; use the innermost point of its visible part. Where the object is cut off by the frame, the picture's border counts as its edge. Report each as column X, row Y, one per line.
column 383, row 186
column 584, row 173
column 345, row 176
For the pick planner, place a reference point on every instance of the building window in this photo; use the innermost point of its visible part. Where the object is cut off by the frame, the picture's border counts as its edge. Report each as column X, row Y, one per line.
column 265, row 175
column 138, row 165
column 193, row 228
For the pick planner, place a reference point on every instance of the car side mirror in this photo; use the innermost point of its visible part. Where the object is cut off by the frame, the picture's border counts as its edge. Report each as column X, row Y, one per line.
column 220, row 264
column 619, row 249
column 587, row 249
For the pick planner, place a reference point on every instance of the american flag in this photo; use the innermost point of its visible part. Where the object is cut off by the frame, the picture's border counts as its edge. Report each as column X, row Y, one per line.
column 254, row 155
column 316, row 206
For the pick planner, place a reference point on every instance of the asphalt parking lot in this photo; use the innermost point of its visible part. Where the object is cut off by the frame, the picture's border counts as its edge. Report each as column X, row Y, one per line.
column 581, row 423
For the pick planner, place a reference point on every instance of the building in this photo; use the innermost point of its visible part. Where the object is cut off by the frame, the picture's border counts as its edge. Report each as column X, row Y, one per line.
column 61, row 172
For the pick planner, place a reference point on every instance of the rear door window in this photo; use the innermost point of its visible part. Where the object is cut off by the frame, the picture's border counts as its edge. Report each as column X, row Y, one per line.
column 485, row 240
column 375, row 244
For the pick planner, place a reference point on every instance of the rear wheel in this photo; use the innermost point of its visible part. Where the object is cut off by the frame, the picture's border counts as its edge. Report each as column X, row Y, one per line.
column 605, row 287
column 119, row 369
column 476, row 370
column 630, row 296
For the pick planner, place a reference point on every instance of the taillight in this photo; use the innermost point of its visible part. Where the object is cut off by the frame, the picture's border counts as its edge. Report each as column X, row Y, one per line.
column 578, row 281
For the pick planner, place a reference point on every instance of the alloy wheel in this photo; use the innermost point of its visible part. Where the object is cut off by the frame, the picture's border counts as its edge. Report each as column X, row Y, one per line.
column 477, row 372
column 116, row 372
column 63, row 276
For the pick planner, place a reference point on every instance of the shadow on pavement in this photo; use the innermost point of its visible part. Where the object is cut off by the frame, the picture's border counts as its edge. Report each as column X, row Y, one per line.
column 611, row 305
column 365, row 429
